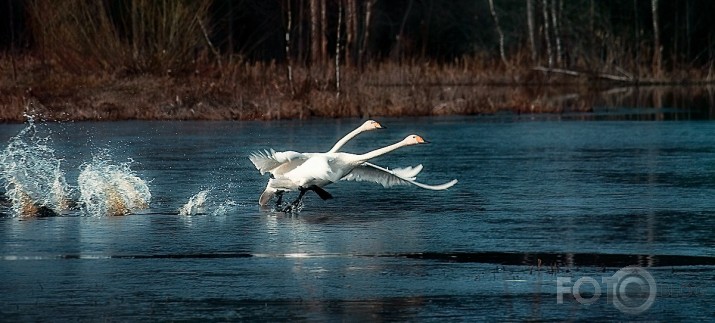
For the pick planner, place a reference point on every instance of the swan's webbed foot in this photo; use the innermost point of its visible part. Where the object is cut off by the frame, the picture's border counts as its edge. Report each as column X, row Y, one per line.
column 295, row 207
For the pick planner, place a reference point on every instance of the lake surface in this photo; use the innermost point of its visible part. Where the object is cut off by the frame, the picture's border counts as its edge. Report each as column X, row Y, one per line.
column 540, row 200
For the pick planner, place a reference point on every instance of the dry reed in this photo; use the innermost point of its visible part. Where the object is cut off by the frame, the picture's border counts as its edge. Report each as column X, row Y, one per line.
column 241, row 91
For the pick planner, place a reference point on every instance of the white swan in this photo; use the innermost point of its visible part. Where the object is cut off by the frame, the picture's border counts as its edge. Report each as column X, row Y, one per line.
column 323, row 169
column 278, row 163
column 320, row 170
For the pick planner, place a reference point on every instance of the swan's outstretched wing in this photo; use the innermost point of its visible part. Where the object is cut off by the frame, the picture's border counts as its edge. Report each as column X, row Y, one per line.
column 408, row 172
column 372, row 173
column 277, row 162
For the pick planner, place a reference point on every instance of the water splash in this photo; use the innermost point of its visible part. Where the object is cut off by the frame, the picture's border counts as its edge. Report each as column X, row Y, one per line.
column 224, row 207
column 203, row 203
column 33, row 180
column 291, row 209
column 109, row 189
column 196, row 204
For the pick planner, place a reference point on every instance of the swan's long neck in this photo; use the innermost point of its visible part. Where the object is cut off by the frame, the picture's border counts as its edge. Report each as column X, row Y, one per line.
column 345, row 139
column 378, row 152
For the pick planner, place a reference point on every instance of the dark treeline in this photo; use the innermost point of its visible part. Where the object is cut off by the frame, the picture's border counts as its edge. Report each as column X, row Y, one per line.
column 626, row 39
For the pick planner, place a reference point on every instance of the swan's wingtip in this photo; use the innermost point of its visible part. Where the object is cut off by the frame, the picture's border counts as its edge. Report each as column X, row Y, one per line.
column 450, row 183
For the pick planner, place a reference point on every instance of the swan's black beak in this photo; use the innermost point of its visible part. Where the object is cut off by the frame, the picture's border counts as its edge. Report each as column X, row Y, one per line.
column 421, row 140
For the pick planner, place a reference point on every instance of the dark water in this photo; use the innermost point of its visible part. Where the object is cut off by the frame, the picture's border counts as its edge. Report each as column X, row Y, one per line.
column 537, row 200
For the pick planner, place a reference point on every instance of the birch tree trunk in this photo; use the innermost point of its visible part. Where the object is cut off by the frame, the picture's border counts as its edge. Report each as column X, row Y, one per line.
column 499, row 32
column 366, row 34
column 530, row 25
column 555, row 28
column 547, row 31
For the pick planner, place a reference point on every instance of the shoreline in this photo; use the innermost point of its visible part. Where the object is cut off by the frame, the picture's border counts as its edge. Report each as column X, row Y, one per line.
column 263, row 92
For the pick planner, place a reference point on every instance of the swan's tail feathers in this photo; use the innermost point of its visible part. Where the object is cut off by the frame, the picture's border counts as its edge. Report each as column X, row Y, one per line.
column 321, row 192
column 266, row 196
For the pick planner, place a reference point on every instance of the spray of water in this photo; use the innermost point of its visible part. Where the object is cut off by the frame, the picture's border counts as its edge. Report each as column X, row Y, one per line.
column 205, row 203
column 109, row 189
column 195, row 205
column 33, row 180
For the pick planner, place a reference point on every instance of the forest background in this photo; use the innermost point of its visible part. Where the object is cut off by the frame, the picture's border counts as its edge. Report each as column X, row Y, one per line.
column 275, row 59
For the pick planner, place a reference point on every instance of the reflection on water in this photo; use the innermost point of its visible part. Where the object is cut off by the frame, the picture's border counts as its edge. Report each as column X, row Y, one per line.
column 695, row 102
column 538, row 198
column 657, row 103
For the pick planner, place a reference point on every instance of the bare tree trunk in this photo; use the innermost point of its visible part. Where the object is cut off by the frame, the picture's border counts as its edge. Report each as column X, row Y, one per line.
column 398, row 50
column 425, row 27
column 315, row 36
column 289, row 60
column 337, row 49
column 351, row 27
column 210, row 44
column 557, row 37
column 135, row 31
column 366, row 34
column 676, row 33
column 323, row 27
column 592, row 18
column 687, row 29
column 530, row 25
column 301, row 35
column 12, row 41
column 657, row 50
column 230, row 32
column 547, row 31
column 499, row 32
column 637, row 31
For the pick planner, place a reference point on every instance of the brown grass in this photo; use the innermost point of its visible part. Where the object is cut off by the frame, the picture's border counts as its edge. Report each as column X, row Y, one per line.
column 140, row 36
column 242, row 91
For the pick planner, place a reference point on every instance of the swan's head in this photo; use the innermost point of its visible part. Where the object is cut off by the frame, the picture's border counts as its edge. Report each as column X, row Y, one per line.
column 371, row 125
column 414, row 140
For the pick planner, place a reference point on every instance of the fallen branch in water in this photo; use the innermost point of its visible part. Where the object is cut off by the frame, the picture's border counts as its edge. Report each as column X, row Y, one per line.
column 577, row 73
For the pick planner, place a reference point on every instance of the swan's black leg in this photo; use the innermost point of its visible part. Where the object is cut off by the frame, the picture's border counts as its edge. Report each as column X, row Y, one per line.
column 300, row 196
column 321, row 192
column 279, row 201
column 318, row 190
